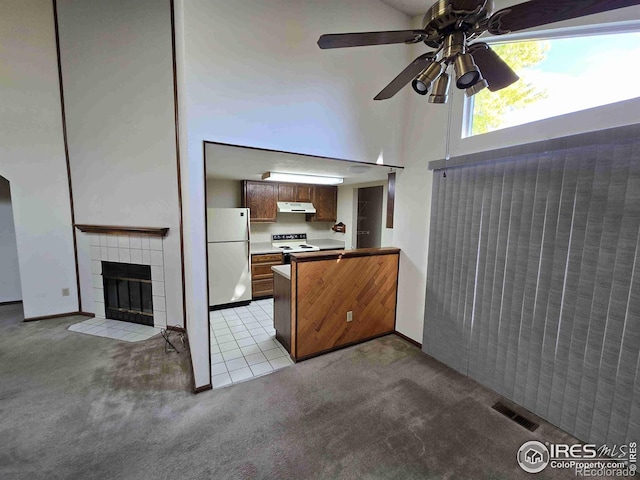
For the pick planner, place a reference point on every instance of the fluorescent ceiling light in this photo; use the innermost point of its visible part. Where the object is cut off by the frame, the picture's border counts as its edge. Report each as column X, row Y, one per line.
column 300, row 178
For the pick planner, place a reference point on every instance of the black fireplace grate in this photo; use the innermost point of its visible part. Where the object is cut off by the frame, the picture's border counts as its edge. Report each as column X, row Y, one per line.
column 127, row 292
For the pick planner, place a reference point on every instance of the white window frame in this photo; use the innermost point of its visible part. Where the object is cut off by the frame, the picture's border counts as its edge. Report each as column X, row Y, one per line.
column 628, row 26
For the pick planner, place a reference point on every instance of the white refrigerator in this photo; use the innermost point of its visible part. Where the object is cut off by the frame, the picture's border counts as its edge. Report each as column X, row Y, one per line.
column 229, row 256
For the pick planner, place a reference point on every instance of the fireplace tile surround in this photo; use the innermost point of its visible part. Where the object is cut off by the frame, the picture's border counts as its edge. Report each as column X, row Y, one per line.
column 131, row 249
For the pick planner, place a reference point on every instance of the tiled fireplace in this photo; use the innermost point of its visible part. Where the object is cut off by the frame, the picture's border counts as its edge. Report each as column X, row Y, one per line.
column 118, row 249
column 127, row 292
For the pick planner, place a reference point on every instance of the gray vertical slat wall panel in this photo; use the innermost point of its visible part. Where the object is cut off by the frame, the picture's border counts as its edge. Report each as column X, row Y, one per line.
column 633, row 429
column 454, row 260
column 579, row 281
column 451, row 335
column 574, row 180
column 534, row 289
column 445, row 202
column 550, row 285
column 497, row 354
column 477, row 326
column 513, row 327
column 441, row 327
column 440, row 330
column 485, row 320
column 533, row 284
column 435, row 333
column 457, row 307
column 608, row 317
column 624, row 427
column 428, row 333
column 473, row 240
column 594, row 251
column 522, row 280
column 563, row 300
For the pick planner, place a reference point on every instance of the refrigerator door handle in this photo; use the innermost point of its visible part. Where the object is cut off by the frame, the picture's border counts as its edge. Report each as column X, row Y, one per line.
column 248, row 242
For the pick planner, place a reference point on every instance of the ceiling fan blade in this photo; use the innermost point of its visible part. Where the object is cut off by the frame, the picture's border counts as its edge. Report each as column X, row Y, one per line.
column 408, row 74
column 541, row 12
column 340, row 40
column 494, row 70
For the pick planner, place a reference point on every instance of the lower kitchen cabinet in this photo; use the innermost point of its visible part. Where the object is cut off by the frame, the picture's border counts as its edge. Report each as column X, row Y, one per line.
column 262, row 275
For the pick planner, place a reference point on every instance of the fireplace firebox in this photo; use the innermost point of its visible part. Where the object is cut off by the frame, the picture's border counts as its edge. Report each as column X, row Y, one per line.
column 127, row 292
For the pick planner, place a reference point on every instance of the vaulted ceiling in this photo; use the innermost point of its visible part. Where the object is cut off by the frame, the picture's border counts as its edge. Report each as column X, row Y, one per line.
column 419, row 7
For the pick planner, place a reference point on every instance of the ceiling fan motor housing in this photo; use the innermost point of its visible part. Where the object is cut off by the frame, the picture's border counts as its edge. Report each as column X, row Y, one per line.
column 449, row 16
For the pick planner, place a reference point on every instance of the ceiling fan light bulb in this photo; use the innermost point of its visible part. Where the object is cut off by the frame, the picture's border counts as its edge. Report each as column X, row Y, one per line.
column 420, row 87
column 468, row 80
column 422, row 83
column 467, row 72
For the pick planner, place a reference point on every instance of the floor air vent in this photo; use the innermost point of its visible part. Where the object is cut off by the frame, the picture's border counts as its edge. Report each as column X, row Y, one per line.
column 516, row 417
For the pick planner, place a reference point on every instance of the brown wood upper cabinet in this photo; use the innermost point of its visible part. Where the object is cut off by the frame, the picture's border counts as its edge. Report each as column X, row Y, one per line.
column 325, row 200
column 293, row 192
column 260, row 198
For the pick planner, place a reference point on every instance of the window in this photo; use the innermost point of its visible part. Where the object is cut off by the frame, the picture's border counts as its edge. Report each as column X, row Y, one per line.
column 559, row 76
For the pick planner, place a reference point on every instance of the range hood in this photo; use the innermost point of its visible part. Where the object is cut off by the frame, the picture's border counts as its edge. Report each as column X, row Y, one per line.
column 296, row 207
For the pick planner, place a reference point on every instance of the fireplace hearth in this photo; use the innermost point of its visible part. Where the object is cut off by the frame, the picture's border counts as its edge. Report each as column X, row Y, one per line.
column 127, row 292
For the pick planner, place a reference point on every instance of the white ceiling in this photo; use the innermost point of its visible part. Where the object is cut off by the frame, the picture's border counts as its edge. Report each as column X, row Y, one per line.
column 420, row 7
column 242, row 163
column 410, row 7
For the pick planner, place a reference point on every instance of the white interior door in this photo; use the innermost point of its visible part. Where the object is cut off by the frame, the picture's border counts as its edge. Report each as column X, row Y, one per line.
column 229, row 273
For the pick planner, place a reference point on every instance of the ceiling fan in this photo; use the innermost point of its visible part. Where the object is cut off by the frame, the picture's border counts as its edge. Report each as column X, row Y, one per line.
column 450, row 25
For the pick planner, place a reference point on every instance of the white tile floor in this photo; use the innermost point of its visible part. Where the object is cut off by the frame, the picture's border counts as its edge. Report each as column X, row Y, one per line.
column 243, row 343
column 115, row 329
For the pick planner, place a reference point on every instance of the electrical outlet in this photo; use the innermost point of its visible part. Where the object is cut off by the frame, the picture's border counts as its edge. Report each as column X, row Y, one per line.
column 349, row 316
column 65, row 292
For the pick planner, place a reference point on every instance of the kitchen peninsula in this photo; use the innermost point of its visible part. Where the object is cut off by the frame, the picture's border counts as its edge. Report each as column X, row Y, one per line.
column 331, row 299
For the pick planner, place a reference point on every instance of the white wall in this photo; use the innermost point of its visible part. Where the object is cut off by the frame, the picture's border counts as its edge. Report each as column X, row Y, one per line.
column 32, row 157
column 290, row 223
column 224, row 193
column 250, row 73
column 118, row 83
column 425, row 141
column 10, row 271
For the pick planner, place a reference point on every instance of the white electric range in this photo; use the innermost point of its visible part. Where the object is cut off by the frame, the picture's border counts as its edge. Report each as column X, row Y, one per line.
column 292, row 243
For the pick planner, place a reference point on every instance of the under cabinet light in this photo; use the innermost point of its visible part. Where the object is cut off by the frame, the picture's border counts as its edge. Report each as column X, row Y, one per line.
column 300, row 178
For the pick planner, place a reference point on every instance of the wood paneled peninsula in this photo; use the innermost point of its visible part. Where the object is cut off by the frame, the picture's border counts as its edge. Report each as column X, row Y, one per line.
column 332, row 299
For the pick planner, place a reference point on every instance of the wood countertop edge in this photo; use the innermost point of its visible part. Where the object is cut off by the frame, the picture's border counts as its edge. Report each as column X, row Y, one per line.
column 331, row 254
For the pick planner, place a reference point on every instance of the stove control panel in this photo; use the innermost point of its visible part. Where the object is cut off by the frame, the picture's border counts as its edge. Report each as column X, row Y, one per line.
column 284, row 237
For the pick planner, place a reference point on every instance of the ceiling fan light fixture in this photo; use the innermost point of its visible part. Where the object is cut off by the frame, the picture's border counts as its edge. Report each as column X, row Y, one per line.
column 479, row 85
column 422, row 83
column 448, row 25
column 467, row 72
column 440, row 89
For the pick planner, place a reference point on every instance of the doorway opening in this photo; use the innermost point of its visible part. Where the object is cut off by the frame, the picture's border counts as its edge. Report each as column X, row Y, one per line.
column 369, row 221
column 10, row 288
